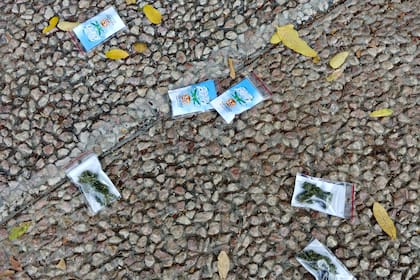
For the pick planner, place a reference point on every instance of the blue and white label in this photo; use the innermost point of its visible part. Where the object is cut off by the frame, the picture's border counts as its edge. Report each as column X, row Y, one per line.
column 237, row 99
column 192, row 99
column 98, row 29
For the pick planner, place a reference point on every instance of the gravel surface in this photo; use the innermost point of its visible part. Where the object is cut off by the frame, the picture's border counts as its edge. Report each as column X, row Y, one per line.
column 192, row 187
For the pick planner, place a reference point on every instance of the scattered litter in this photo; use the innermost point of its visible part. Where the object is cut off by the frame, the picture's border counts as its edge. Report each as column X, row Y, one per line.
column 384, row 220
column 337, row 60
column 152, row 14
column 321, row 262
column 381, row 113
column 86, row 173
column 52, row 23
column 97, row 29
column 241, row 97
column 192, row 99
column 333, row 198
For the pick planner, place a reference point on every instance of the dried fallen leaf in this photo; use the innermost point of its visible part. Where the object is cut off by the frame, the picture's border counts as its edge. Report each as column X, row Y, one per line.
column 51, row 24
column 129, row 2
column 140, row 47
column 381, row 113
column 6, row 273
column 67, row 25
column 61, row 265
column 338, row 59
column 232, row 72
column 384, row 220
column 358, row 53
column 116, row 54
column 275, row 39
column 15, row 264
column 152, row 14
column 223, row 265
column 19, row 230
column 335, row 75
column 290, row 38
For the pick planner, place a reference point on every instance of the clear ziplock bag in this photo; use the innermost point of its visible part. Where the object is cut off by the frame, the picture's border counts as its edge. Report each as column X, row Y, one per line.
column 97, row 29
column 322, row 264
column 192, row 99
column 333, row 198
column 241, row 97
column 98, row 190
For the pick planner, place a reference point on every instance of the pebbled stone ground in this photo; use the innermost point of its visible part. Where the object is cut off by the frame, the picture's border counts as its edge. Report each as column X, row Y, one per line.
column 194, row 186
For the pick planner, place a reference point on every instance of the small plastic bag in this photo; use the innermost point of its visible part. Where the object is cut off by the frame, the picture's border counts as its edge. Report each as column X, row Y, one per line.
column 333, row 198
column 192, row 99
column 97, row 29
column 321, row 263
column 98, row 190
column 241, row 97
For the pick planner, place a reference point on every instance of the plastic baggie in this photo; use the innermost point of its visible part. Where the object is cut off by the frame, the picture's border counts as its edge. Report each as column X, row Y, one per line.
column 192, row 99
column 322, row 264
column 241, row 97
column 97, row 29
column 98, row 190
column 333, row 198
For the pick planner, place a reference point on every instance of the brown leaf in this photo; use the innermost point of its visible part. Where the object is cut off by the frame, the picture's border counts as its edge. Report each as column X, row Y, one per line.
column 223, row 265
column 15, row 264
column 7, row 273
column 384, row 220
column 232, row 72
column 61, row 264
column 358, row 53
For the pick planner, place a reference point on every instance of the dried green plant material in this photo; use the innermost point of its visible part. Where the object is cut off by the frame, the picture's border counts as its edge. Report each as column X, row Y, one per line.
column 223, row 265
column 67, row 25
column 337, row 60
column 140, row 47
column 290, row 38
column 15, row 264
column 61, row 264
column 152, row 14
column 384, row 220
column 116, row 54
column 335, row 75
column 381, row 113
column 130, row 2
column 19, row 230
column 51, row 24
column 232, row 72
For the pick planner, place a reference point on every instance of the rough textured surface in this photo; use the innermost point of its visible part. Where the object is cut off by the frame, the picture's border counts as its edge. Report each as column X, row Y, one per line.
column 195, row 186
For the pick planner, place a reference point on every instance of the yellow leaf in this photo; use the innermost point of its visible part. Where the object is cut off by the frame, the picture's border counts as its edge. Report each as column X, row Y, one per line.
column 335, row 75
column 61, row 264
column 338, row 59
column 51, row 24
column 381, row 113
column 19, row 230
column 116, row 54
column 231, row 68
column 67, row 25
column 140, row 47
column 290, row 38
column 384, row 220
column 316, row 59
column 223, row 265
column 129, row 2
column 152, row 14
column 275, row 39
